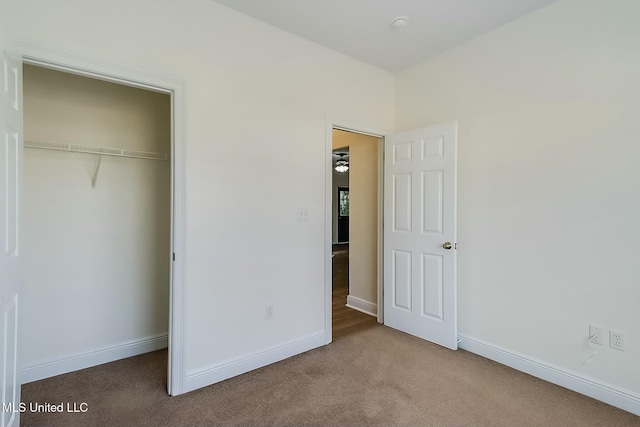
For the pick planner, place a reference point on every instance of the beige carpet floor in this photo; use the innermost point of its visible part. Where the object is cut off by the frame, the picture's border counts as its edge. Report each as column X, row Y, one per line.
column 379, row 377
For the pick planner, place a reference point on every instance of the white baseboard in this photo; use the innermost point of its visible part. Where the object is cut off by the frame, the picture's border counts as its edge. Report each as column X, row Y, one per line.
column 615, row 396
column 97, row 357
column 361, row 305
column 241, row 365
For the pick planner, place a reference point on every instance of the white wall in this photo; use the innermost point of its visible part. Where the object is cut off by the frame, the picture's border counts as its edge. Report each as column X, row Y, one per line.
column 96, row 260
column 256, row 100
column 548, row 204
column 548, row 199
column 363, row 217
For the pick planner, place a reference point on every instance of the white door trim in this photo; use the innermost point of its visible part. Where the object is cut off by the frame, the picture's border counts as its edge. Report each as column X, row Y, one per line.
column 43, row 57
column 331, row 124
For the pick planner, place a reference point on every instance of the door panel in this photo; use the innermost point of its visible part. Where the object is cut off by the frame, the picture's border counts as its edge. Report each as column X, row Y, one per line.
column 420, row 216
column 432, row 279
column 431, row 195
column 402, row 202
column 10, row 176
column 402, row 280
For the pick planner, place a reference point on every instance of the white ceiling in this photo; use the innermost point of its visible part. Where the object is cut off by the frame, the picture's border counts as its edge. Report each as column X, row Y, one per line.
column 362, row 30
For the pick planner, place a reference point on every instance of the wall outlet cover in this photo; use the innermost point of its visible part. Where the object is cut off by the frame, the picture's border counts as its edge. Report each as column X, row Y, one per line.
column 616, row 340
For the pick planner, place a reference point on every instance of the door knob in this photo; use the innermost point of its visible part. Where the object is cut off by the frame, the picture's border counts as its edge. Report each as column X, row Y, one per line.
column 447, row 245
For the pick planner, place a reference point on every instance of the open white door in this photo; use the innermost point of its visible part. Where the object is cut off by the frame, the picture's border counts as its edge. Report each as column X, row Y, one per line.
column 10, row 178
column 420, row 233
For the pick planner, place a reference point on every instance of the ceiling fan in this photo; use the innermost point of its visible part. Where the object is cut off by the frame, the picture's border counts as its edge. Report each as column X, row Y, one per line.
column 342, row 164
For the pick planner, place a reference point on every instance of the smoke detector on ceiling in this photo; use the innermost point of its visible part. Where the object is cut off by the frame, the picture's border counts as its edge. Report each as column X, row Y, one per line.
column 399, row 22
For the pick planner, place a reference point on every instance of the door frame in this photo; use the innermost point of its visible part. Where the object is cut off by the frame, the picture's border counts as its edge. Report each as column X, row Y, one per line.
column 338, row 124
column 47, row 58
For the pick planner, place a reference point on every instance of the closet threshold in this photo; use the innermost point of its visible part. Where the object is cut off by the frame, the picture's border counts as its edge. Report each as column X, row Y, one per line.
column 106, row 151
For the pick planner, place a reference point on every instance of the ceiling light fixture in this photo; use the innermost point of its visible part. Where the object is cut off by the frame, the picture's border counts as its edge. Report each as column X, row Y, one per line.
column 342, row 165
column 400, row 22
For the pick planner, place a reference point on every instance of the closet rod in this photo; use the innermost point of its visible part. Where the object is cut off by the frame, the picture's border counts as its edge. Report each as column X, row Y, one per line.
column 107, row 151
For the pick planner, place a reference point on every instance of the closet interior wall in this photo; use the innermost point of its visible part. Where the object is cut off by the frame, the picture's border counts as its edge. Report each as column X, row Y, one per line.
column 97, row 258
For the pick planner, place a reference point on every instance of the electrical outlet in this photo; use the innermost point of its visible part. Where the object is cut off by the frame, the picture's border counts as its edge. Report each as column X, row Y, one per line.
column 596, row 335
column 268, row 312
column 616, row 340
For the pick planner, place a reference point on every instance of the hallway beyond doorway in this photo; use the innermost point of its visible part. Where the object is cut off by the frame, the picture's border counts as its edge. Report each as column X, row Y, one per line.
column 346, row 321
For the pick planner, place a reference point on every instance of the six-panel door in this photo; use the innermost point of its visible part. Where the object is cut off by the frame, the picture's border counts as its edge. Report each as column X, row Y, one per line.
column 420, row 218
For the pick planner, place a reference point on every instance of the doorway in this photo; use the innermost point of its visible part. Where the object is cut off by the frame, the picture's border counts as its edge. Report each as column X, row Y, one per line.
column 355, row 232
column 174, row 90
column 96, row 221
column 423, row 160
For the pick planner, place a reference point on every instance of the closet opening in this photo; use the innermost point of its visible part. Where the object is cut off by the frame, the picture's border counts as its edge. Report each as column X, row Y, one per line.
column 96, row 223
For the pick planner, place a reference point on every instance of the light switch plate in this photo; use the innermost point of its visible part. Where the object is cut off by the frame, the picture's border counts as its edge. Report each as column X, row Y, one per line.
column 303, row 214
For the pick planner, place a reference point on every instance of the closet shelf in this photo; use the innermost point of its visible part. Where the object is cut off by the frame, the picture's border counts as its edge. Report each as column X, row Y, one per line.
column 107, row 151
